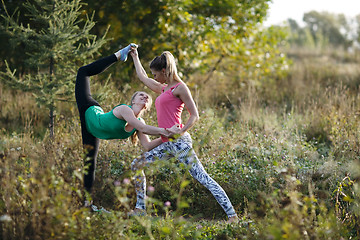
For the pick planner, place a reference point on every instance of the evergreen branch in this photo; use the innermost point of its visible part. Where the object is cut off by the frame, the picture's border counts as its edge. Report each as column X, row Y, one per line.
column 5, row 9
column 52, row 44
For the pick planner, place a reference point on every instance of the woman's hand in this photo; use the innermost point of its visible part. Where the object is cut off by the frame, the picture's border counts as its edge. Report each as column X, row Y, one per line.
column 176, row 129
column 134, row 52
column 165, row 133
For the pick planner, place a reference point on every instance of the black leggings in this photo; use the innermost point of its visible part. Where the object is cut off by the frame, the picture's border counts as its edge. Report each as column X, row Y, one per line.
column 84, row 100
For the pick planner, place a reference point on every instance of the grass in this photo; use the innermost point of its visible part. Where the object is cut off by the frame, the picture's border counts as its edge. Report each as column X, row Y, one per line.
column 289, row 164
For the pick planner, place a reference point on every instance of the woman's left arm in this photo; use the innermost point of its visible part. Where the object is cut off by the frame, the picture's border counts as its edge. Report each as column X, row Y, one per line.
column 183, row 92
column 147, row 143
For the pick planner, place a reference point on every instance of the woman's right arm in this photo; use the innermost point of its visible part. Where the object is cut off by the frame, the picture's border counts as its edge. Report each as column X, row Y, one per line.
column 141, row 73
column 127, row 114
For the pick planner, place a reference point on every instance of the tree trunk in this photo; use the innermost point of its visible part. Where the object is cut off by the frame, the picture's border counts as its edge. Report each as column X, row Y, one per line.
column 51, row 114
column 51, row 123
column 214, row 68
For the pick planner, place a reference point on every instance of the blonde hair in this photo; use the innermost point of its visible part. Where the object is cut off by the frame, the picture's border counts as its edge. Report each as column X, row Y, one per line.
column 134, row 137
column 166, row 61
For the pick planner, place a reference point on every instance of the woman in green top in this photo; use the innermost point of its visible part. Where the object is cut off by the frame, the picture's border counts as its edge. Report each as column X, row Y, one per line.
column 120, row 123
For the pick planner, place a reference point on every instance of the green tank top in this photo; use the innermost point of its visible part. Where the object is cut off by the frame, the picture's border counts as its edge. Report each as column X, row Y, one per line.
column 105, row 125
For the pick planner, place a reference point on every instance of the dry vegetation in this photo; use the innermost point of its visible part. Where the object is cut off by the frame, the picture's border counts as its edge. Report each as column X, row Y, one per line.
column 287, row 155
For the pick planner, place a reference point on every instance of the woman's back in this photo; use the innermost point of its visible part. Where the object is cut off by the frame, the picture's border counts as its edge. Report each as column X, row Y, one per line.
column 105, row 125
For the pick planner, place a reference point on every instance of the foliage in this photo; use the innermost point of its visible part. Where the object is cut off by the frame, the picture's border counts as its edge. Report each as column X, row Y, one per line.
column 218, row 45
column 329, row 26
column 323, row 30
column 291, row 173
column 284, row 146
column 346, row 197
column 53, row 41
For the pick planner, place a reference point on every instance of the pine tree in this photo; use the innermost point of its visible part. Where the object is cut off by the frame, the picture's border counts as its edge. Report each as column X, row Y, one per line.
column 53, row 42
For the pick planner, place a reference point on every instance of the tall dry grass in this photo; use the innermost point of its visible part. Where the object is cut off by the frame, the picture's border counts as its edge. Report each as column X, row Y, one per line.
column 287, row 154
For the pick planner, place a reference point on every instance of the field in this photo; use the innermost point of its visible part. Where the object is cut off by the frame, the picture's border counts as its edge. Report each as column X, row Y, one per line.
column 288, row 156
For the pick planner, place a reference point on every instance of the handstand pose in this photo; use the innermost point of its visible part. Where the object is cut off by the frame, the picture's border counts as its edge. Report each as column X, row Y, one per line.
column 120, row 123
column 174, row 95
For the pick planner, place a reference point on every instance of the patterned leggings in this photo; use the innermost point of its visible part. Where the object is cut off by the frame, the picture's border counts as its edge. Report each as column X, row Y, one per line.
column 182, row 149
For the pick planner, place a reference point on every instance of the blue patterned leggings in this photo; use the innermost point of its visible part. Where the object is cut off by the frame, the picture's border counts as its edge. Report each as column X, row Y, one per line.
column 182, row 149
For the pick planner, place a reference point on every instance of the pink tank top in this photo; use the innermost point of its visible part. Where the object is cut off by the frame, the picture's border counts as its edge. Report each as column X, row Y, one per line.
column 168, row 109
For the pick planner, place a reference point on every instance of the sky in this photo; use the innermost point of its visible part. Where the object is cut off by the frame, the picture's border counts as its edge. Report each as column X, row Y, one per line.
column 281, row 10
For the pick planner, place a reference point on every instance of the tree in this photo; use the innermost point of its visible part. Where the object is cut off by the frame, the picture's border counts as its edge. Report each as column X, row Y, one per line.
column 222, row 44
column 328, row 27
column 357, row 34
column 209, row 38
column 52, row 43
column 323, row 30
column 6, row 48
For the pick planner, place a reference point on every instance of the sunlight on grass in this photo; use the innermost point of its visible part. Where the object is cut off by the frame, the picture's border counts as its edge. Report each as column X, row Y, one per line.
column 290, row 166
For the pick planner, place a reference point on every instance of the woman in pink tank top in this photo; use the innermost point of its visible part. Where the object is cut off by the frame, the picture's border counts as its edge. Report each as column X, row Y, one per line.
column 174, row 95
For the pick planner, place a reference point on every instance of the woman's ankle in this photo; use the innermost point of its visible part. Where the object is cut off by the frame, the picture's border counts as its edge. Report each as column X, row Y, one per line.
column 122, row 54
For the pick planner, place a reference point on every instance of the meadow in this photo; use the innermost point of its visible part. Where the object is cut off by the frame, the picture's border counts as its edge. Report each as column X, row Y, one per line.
column 288, row 156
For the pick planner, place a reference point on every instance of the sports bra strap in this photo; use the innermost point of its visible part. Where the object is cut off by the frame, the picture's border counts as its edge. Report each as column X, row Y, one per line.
column 173, row 88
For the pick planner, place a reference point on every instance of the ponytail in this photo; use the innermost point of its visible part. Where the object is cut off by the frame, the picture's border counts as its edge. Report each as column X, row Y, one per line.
column 134, row 138
column 166, row 61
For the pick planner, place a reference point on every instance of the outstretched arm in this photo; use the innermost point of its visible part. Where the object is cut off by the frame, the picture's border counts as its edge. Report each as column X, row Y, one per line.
column 127, row 114
column 147, row 143
column 141, row 73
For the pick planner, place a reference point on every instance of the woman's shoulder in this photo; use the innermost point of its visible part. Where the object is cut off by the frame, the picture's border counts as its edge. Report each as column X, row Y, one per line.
column 181, row 86
column 120, row 110
column 121, row 105
column 177, row 85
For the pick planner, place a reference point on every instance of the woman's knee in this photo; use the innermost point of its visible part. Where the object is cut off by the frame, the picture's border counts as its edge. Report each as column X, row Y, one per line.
column 82, row 71
column 136, row 164
column 133, row 165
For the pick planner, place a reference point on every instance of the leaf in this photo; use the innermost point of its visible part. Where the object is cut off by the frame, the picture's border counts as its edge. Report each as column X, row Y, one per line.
column 166, row 230
column 348, row 199
column 184, row 204
column 184, row 183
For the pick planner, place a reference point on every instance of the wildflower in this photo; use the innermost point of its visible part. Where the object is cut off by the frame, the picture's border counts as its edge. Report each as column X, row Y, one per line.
column 167, row 204
column 199, row 226
column 126, row 181
column 117, row 183
column 151, row 189
column 213, row 162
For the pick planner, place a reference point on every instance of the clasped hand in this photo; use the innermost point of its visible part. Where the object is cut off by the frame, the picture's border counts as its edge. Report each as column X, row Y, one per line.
column 174, row 130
